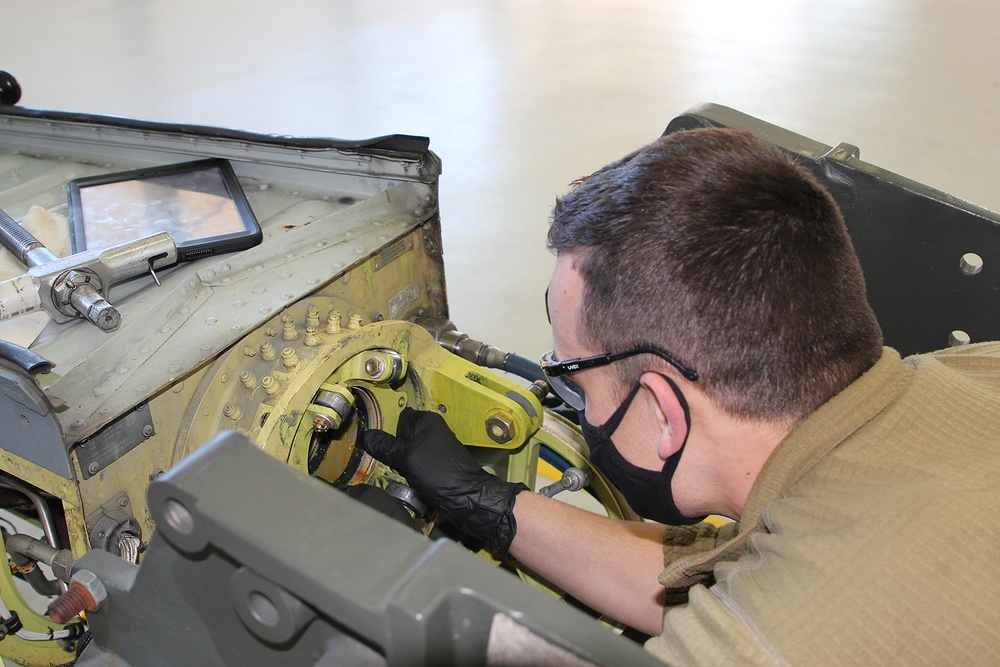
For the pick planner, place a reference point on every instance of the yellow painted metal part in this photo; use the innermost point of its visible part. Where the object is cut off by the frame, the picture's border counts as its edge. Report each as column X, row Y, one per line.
column 360, row 361
column 13, row 648
column 303, row 386
column 21, row 651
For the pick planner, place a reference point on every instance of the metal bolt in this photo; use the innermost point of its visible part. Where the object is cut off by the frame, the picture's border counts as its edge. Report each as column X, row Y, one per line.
column 288, row 330
column 323, row 423
column 233, row 412
column 85, row 593
column 289, row 358
column 312, row 340
column 270, row 385
column 312, row 316
column 147, row 430
column 971, row 264
column 374, row 366
column 248, row 379
column 267, row 352
column 500, row 428
column 123, row 502
column 333, row 322
column 93, row 468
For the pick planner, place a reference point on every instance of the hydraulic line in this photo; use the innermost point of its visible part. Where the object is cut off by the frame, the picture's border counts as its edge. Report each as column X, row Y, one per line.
column 60, row 560
column 41, row 507
column 26, row 566
column 478, row 352
column 523, row 367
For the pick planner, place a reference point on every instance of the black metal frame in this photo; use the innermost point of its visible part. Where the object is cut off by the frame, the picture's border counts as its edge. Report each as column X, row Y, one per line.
column 910, row 239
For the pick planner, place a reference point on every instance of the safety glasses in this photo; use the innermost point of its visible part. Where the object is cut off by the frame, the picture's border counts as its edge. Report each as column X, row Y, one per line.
column 557, row 372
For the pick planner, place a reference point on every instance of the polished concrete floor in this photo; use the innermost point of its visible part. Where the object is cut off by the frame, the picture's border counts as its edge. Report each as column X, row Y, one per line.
column 519, row 98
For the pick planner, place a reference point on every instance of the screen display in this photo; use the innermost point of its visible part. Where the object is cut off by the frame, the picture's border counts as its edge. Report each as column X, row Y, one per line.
column 200, row 204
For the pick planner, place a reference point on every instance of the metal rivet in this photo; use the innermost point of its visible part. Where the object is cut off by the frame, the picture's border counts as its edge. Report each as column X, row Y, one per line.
column 958, row 337
column 971, row 264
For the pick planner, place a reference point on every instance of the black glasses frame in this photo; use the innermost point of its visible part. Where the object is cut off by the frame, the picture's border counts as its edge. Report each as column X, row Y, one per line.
column 557, row 368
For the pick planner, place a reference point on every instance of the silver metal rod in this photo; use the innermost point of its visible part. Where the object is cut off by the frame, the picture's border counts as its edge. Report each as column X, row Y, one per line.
column 22, row 243
column 44, row 516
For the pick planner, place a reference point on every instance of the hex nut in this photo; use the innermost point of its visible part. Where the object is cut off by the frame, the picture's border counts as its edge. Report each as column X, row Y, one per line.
column 500, row 428
column 374, row 366
column 93, row 585
column 323, row 423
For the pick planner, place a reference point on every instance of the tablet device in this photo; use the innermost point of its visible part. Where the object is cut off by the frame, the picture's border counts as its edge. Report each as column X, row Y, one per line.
column 200, row 204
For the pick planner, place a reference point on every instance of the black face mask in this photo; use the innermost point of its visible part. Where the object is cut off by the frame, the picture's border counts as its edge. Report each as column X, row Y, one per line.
column 648, row 492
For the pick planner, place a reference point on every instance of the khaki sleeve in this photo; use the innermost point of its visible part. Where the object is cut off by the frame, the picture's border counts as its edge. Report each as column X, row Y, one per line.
column 680, row 541
column 682, row 544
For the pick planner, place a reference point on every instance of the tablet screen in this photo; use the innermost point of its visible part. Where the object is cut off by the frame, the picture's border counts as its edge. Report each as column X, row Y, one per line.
column 200, row 204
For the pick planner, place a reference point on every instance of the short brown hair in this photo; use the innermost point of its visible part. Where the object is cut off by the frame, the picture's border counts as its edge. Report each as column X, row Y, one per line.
column 717, row 247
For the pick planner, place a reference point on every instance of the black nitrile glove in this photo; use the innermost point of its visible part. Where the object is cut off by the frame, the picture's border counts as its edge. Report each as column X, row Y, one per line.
column 443, row 473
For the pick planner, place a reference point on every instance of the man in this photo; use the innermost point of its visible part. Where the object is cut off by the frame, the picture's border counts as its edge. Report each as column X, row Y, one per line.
column 746, row 378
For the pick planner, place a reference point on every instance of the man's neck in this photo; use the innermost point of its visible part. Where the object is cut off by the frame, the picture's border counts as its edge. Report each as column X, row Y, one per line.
column 733, row 452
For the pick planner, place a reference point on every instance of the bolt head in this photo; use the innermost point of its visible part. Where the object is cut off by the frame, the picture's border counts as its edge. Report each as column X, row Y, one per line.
column 374, row 366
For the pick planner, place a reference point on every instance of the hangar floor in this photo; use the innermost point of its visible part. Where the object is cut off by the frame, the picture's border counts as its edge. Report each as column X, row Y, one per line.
column 520, row 98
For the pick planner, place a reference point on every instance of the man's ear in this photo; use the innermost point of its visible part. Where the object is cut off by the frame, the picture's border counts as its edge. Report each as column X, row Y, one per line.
column 669, row 414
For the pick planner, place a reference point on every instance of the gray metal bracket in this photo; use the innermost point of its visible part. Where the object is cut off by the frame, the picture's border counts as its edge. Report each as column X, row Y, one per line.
column 298, row 573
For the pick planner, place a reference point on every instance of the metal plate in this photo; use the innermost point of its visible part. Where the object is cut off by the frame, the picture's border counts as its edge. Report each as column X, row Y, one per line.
column 115, row 440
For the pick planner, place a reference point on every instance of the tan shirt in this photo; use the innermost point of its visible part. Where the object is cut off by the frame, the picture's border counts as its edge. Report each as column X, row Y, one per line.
column 871, row 536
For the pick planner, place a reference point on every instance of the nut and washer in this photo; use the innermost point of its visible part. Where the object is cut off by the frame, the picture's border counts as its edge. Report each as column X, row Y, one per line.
column 323, row 423
column 500, row 428
column 374, row 366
